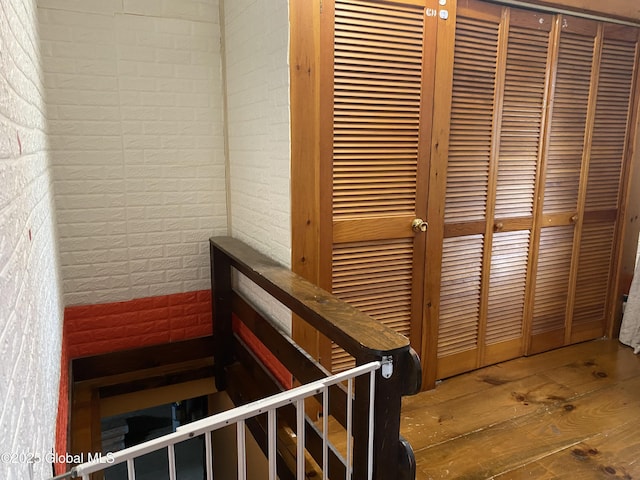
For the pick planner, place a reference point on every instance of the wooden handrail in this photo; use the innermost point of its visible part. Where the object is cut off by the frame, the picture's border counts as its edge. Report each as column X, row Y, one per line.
column 357, row 333
column 347, row 326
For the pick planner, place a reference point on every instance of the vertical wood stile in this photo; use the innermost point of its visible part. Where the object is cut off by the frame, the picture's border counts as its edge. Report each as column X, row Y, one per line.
column 552, row 66
column 584, row 176
column 443, row 85
column 492, row 181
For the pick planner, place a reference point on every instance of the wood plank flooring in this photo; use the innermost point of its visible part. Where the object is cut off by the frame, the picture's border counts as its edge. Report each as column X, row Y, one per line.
column 572, row 413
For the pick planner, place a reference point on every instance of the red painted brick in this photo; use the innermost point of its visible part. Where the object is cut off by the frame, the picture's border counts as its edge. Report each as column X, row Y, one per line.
column 183, row 298
column 71, row 313
column 154, row 339
column 177, row 334
column 93, row 348
column 91, row 327
column 154, row 314
column 145, row 328
column 197, row 331
column 149, row 303
column 121, row 319
column 204, row 296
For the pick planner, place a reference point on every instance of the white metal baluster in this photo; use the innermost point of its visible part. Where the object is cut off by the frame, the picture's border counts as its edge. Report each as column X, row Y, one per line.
column 372, row 389
column 131, row 469
column 325, row 433
column 300, row 437
column 208, row 455
column 172, row 461
column 271, row 421
column 242, row 451
column 238, row 415
column 349, row 428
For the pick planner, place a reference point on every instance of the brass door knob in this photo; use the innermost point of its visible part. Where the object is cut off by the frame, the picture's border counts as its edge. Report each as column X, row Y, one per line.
column 419, row 225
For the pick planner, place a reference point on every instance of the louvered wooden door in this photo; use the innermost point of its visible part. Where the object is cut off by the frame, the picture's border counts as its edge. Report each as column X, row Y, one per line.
column 538, row 125
column 511, row 142
column 582, row 181
column 378, row 165
column 495, row 128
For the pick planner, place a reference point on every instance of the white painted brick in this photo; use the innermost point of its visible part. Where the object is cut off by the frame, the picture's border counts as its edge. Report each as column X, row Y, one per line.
column 167, row 100
column 257, row 79
column 147, row 252
column 174, row 264
column 137, row 266
column 165, row 238
column 148, row 278
column 185, row 250
column 168, row 288
column 30, row 289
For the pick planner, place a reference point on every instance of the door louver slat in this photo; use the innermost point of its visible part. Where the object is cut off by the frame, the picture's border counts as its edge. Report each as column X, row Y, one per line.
column 472, row 108
column 374, row 277
column 509, row 258
column 552, row 279
column 611, row 124
column 568, row 125
column 596, row 248
column 520, row 133
column 460, row 294
column 377, row 91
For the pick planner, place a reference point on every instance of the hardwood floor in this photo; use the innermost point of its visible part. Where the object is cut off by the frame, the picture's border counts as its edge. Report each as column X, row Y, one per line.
column 572, row 413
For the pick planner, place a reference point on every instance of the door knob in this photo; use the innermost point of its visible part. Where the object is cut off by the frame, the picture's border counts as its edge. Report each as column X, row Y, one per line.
column 419, row 225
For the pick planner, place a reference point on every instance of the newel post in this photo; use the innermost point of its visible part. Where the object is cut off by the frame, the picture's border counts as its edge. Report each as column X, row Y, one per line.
column 392, row 457
column 221, row 295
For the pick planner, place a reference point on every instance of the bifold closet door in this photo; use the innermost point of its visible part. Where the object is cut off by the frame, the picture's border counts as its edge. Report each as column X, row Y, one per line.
column 497, row 115
column 587, row 141
column 539, row 124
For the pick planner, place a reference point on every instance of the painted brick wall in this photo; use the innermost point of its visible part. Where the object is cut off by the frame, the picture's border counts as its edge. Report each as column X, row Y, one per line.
column 135, row 100
column 30, row 303
column 257, row 87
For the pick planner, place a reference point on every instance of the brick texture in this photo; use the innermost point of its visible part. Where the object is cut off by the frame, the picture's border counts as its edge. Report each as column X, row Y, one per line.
column 109, row 327
column 135, row 100
column 30, row 301
column 257, row 88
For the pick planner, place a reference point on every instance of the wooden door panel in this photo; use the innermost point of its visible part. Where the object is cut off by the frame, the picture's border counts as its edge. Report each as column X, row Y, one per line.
column 459, row 304
column 470, row 153
column 507, row 293
column 375, row 277
column 591, row 303
column 497, row 116
column 522, row 117
column 593, row 306
column 378, row 165
column 551, row 288
column 568, row 126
